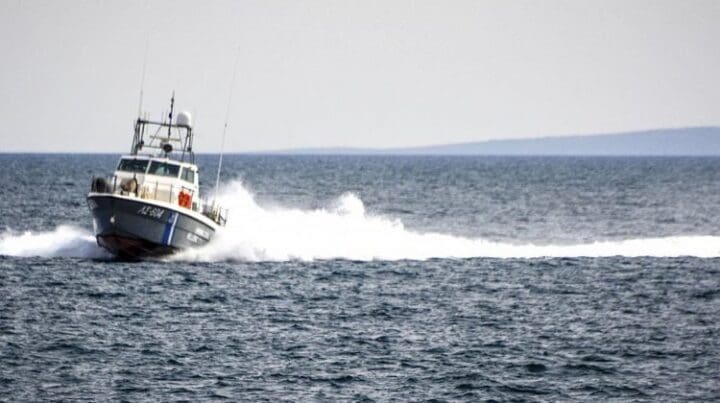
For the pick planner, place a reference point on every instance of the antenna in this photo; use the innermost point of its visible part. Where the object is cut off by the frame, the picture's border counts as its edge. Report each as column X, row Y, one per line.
column 142, row 81
column 172, row 105
column 227, row 117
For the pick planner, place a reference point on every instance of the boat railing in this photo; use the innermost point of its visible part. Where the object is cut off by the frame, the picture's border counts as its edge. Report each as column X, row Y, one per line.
column 171, row 193
column 215, row 212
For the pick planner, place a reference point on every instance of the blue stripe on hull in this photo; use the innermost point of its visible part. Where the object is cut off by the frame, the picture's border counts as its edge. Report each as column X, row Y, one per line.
column 169, row 228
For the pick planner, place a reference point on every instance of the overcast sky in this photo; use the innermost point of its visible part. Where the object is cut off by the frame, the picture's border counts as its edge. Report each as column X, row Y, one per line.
column 354, row 73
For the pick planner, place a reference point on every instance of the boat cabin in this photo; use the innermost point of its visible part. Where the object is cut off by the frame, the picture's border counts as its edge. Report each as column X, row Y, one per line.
column 160, row 179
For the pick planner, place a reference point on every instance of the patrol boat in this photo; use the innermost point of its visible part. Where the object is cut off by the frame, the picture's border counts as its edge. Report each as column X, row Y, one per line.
column 151, row 206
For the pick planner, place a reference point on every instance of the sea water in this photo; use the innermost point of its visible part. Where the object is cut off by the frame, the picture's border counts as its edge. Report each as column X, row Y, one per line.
column 374, row 278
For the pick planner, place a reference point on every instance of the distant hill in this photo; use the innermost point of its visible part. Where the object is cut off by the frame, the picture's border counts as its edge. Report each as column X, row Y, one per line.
column 695, row 141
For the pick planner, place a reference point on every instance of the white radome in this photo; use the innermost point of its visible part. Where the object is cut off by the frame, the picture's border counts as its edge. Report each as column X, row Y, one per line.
column 184, row 119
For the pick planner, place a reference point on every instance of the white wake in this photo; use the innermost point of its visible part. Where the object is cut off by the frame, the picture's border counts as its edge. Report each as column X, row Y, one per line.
column 342, row 230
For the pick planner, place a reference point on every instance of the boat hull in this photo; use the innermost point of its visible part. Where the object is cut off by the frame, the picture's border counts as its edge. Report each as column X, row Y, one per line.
column 135, row 229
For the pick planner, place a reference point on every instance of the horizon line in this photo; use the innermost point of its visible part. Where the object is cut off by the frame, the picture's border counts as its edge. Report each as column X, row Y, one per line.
column 404, row 150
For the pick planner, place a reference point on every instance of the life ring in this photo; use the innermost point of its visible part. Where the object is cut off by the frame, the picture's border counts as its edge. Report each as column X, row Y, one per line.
column 185, row 199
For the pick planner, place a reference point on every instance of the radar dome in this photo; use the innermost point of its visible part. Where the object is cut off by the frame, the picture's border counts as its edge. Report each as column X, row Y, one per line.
column 184, row 119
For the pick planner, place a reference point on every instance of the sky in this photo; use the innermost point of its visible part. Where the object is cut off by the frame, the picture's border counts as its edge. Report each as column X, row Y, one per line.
column 353, row 73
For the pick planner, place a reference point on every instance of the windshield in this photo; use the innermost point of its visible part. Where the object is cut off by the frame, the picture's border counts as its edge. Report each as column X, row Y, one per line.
column 164, row 169
column 129, row 165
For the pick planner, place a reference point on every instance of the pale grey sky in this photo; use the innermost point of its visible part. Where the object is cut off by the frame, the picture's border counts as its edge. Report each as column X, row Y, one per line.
column 354, row 73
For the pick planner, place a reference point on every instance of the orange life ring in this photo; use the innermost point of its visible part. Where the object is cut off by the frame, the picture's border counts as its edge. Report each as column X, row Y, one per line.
column 185, row 199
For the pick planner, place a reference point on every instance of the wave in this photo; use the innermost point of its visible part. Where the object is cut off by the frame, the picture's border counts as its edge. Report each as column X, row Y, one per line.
column 342, row 230
column 63, row 241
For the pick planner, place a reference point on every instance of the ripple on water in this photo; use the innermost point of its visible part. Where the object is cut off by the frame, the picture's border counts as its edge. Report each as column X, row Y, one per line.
column 495, row 329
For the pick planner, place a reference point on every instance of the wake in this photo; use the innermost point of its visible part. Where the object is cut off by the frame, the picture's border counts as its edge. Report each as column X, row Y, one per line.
column 343, row 230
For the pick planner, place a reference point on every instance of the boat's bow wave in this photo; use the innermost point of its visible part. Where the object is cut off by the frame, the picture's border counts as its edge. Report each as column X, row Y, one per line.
column 343, row 230
column 63, row 241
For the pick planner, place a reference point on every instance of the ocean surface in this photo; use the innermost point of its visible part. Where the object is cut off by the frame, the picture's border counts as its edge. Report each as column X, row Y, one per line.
column 360, row 278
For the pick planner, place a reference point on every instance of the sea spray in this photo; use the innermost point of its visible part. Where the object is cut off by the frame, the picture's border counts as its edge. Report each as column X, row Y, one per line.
column 344, row 230
column 63, row 241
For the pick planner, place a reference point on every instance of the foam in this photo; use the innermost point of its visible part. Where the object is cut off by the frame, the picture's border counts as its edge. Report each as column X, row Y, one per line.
column 63, row 241
column 344, row 230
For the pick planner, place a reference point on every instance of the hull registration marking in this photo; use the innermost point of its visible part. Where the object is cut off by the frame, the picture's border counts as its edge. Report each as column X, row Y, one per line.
column 151, row 211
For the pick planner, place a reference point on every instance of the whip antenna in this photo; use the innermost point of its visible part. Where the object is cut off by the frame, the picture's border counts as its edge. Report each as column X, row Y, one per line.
column 142, row 80
column 227, row 117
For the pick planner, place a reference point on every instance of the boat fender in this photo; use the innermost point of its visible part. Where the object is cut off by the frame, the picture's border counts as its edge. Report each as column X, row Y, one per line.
column 99, row 185
column 185, row 199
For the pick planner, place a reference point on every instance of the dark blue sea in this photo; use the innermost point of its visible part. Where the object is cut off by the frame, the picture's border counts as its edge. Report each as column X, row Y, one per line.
column 366, row 278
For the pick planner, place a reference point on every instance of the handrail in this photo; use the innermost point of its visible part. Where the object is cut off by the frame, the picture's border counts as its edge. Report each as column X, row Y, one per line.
column 213, row 211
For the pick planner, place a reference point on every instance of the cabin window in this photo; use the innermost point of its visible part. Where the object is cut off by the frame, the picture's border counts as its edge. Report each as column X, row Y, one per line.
column 188, row 175
column 164, row 169
column 128, row 165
